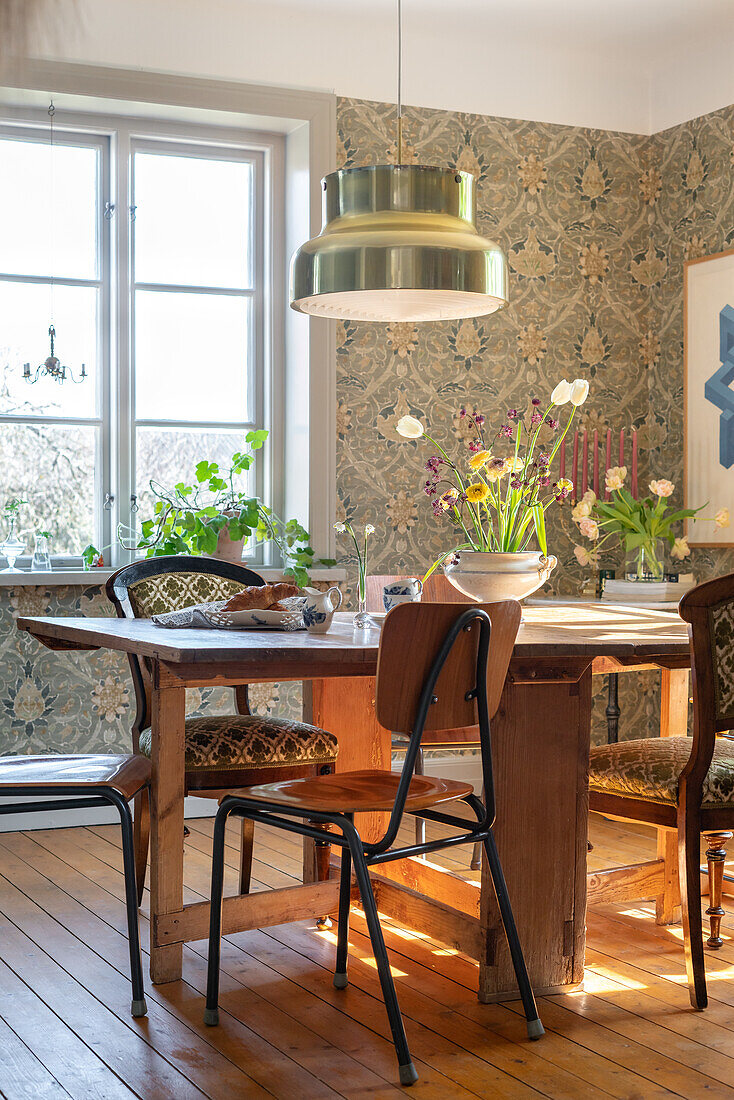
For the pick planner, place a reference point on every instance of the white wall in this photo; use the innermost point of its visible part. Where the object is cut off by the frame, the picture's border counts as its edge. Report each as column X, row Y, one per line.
column 455, row 59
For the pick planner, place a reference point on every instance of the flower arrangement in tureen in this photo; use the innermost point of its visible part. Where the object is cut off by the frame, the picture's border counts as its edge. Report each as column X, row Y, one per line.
column 497, row 498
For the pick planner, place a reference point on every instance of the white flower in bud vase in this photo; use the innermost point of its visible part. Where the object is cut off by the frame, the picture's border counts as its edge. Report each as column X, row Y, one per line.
column 579, row 391
column 369, row 529
column 340, row 527
column 721, row 519
column 409, row 427
column 562, row 393
column 680, row 549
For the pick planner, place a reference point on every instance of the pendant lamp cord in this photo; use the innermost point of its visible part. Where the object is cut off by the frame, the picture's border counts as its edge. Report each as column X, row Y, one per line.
column 400, row 81
column 51, row 112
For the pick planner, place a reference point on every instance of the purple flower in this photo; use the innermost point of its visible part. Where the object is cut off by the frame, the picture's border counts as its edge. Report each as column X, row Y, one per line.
column 552, row 424
column 429, row 489
column 544, row 481
column 506, row 430
column 535, row 401
column 513, row 414
column 543, row 459
column 437, row 508
column 536, row 417
column 479, row 419
column 475, row 445
column 433, row 463
column 516, row 482
column 462, row 412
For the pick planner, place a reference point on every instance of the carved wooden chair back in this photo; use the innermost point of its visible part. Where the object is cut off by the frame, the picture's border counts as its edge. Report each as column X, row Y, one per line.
column 166, row 583
column 709, row 611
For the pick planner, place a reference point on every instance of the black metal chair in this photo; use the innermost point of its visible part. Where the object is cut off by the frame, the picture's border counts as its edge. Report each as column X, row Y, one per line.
column 434, row 673
column 79, row 782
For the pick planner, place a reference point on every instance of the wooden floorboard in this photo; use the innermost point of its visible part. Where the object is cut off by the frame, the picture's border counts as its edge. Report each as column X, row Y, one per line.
column 65, row 1028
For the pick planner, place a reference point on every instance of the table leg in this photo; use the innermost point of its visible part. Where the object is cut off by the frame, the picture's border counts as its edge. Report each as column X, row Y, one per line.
column 540, row 743
column 674, row 689
column 612, row 712
column 168, row 707
column 345, row 705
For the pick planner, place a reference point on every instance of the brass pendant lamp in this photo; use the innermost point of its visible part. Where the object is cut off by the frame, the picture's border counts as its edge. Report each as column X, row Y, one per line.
column 399, row 242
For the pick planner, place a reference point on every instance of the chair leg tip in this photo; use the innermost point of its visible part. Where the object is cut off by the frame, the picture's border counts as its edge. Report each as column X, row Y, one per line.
column 535, row 1029
column 340, row 981
column 475, row 865
column 211, row 1017
column 408, row 1074
column 323, row 923
column 139, row 1008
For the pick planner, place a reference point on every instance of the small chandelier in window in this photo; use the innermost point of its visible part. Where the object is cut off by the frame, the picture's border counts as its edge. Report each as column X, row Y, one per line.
column 52, row 367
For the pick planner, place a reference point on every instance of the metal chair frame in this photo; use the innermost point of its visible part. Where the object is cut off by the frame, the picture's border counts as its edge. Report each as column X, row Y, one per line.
column 76, row 799
column 362, row 855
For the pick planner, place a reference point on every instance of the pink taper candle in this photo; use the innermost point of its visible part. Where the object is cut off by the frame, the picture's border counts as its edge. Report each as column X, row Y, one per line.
column 575, row 466
column 608, row 460
column 634, row 464
column 585, row 463
column 596, row 461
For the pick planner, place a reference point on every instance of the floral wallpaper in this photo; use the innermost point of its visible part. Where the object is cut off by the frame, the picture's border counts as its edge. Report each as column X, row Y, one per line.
column 596, row 226
column 53, row 701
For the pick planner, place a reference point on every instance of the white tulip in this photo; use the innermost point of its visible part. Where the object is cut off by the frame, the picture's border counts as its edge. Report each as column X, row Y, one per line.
column 409, row 427
column 562, row 393
column 579, row 391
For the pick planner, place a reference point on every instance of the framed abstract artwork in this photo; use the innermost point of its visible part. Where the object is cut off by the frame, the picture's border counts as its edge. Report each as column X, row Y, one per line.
column 708, row 311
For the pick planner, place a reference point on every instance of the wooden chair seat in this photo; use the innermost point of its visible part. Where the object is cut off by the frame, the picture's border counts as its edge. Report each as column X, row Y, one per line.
column 348, row 792
column 650, row 769
column 126, row 774
column 227, row 741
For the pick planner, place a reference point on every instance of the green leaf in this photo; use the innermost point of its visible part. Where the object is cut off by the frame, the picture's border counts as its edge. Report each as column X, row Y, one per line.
column 539, row 521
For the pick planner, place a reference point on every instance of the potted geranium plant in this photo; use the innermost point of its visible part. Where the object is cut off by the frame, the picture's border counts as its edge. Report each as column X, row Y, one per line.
column 215, row 515
column 644, row 526
column 496, row 497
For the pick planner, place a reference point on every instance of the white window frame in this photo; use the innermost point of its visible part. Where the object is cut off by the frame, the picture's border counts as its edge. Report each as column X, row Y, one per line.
column 117, row 140
column 306, row 120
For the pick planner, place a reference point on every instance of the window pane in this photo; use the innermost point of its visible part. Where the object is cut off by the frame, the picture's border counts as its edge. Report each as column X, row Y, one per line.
column 53, row 468
column 192, row 221
column 169, row 455
column 191, row 353
column 25, row 312
column 48, row 209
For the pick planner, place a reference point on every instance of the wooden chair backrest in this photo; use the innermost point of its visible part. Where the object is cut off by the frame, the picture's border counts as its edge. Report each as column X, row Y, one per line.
column 709, row 611
column 174, row 567
column 412, row 636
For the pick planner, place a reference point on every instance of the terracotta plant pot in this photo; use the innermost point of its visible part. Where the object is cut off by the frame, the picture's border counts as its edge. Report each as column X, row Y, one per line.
column 227, row 549
column 490, row 578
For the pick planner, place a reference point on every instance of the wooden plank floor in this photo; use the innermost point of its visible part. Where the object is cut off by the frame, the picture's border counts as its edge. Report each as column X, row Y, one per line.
column 286, row 1032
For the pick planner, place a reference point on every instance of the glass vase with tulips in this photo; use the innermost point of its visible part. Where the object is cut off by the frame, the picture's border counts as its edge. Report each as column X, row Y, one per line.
column 643, row 526
column 496, row 498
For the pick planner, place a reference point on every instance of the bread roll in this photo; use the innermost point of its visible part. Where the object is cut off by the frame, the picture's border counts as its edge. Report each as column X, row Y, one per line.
column 260, row 597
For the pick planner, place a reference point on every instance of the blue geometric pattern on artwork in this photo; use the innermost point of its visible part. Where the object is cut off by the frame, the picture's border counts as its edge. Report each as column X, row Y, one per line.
column 718, row 388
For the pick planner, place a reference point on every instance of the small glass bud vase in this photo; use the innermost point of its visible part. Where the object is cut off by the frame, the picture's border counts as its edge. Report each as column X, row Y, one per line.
column 647, row 562
column 362, row 619
column 12, row 548
column 41, row 560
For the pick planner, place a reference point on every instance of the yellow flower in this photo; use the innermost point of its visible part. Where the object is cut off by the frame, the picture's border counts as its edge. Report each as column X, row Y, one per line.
column 478, row 460
column 680, row 549
column 477, row 492
column 564, row 483
column 497, row 468
column 614, row 478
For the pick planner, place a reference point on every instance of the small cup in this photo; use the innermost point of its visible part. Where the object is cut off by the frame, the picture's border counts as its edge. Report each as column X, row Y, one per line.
column 404, row 591
column 319, row 608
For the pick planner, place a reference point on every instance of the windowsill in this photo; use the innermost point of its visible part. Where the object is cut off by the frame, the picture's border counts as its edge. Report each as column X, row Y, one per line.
column 86, row 578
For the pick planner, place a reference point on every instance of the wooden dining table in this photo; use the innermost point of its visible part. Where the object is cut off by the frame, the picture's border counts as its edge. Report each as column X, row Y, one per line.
column 540, row 740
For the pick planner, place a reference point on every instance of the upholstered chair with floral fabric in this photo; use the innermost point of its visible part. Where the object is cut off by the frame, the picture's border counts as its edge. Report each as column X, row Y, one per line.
column 686, row 783
column 223, row 752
